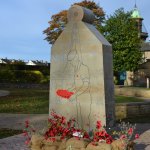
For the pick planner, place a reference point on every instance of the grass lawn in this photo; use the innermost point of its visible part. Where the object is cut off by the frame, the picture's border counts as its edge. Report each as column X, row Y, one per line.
column 140, row 88
column 8, row 132
column 26, row 101
column 34, row 101
column 123, row 99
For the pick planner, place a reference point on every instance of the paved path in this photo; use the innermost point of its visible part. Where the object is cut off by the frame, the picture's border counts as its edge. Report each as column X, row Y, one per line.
column 13, row 143
column 16, row 121
column 143, row 143
column 4, row 93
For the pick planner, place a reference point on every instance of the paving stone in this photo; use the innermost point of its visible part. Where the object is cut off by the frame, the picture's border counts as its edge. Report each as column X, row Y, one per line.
column 13, row 143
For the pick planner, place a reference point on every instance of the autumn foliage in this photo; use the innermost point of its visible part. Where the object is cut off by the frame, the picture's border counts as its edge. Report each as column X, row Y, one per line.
column 58, row 21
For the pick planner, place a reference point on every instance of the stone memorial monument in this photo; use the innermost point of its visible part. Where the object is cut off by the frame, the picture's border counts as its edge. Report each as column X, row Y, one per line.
column 81, row 76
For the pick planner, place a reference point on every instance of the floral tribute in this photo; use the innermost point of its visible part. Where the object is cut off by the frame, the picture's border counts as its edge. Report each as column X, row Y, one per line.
column 64, row 93
column 63, row 134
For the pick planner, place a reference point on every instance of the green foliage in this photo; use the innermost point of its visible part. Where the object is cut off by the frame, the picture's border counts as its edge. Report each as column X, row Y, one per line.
column 46, row 79
column 115, row 80
column 58, row 21
column 22, row 76
column 28, row 76
column 18, row 62
column 17, row 73
column 121, row 31
column 124, row 99
column 6, row 75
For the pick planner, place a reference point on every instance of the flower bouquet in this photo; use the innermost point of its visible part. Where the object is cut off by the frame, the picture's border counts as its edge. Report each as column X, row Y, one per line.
column 63, row 134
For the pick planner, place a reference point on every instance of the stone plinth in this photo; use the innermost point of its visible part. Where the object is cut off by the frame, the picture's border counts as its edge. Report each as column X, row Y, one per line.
column 81, row 63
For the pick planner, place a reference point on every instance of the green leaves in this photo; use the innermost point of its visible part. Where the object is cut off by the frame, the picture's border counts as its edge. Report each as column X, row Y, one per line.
column 59, row 20
column 120, row 30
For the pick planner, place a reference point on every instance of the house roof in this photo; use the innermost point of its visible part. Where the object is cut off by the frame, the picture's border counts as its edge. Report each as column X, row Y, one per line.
column 136, row 13
column 38, row 63
column 6, row 60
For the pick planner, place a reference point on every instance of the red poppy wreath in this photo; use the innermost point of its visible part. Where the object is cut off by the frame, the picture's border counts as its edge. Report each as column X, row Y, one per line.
column 64, row 93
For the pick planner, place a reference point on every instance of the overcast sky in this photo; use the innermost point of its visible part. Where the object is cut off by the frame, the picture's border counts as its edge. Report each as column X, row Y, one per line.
column 22, row 23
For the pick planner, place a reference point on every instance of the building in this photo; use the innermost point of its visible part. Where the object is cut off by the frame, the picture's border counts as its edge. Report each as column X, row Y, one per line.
column 142, row 75
column 30, row 62
column 5, row 61
column 37, row 63
column 143, row 34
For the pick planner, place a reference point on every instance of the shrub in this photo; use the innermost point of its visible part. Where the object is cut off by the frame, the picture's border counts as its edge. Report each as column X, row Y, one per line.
column 28, row 76
column 6, row 75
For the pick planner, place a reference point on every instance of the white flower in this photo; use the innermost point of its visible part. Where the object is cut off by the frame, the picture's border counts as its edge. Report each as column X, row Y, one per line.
column 77, row 134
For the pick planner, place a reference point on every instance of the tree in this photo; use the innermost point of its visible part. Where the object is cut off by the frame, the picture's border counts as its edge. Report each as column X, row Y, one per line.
column 121, row 31
column 58, row 21
column 18, row 62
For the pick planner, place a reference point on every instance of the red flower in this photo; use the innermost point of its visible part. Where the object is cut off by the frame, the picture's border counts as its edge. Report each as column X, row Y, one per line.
column 123, row 136
column 63, row 120
column 137, row 136
column 98, row 125
column 27, row 123
column 53, row 139
column 130, row 131
column 51, row 134
column 108, row 141
column 102, row 133
column 25, row 133
column 86, row 135
column 64, row 93
column 27, row 141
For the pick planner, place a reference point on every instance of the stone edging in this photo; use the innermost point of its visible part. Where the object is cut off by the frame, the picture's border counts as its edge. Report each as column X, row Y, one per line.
column 131, row 110
column 133, row 92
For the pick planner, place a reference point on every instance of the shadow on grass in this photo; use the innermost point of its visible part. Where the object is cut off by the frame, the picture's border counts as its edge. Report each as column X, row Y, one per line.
column 4, row 132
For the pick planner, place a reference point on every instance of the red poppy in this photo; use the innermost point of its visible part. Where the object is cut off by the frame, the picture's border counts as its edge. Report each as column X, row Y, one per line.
column 64, row 93
column 102, row 133
column 130, row 131
column 27, row 123
column 137, row 136
column 108, row 141
column 53, row 139
column 27, row 142
column 123, row 136
column 98, row 125
column 25, row 133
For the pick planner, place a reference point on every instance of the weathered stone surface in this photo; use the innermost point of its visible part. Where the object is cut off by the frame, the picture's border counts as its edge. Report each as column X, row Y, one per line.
column 51, row 143
column 77, row 13
column 118, row 145
column 81, row 62
column 62, row 146
column 76, row 143
column 35, row 148
column 131, row 110
column 36, row 140
column 47, row 147
column 101, row 146
column 138, row 92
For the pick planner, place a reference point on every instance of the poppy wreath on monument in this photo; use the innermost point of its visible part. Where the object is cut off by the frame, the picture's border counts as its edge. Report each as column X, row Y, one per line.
column 63, row 134
column 64, row 93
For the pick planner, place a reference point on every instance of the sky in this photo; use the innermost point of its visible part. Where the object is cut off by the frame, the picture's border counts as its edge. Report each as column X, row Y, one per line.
column 22, row 23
